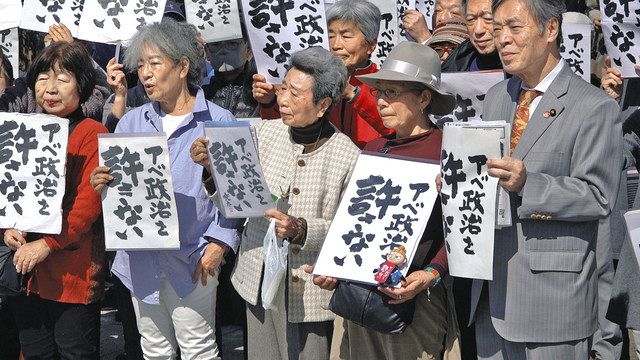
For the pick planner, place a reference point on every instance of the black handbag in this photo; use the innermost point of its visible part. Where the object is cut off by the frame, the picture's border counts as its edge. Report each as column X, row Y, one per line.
column 11, row 282
column 364, row 305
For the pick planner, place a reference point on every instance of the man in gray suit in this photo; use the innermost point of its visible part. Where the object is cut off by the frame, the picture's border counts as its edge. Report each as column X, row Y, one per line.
column 562, row 176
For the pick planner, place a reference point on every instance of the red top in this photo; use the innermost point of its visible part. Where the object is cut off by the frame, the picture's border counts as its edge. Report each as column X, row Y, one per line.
column 73, row 271
column 359, row 120
column 424, row 146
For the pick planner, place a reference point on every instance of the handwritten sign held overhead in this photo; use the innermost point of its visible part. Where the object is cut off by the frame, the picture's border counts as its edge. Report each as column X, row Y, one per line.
column 138, row 205
column 237, row 172
column 33, row 155
column 110, row 21
column 13, row 7
column 427, row 8
column 277, row 29
column 217, row 20
column 620, row 19
column 38, row 15
column 389, row 33
column 9, row 45
column 576, row 44
column 468, row 198
column 387, row 203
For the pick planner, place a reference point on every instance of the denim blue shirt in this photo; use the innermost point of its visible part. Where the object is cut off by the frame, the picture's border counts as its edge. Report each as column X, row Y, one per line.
column 200, row 221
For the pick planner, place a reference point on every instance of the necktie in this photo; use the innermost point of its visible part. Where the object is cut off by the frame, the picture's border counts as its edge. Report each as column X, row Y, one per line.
column 522, row 116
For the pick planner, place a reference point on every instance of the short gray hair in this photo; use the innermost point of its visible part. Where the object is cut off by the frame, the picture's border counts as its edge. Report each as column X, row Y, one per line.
column 365, row 14
column 174, row 39
column 327, row 70
column 542, row 11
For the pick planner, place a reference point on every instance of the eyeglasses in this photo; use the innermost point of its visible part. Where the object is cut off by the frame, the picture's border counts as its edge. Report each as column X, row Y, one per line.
column 389, row 94
column 443, row 49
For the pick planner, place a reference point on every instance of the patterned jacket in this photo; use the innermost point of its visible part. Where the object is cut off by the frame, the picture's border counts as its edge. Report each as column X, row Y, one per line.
column 315, row 181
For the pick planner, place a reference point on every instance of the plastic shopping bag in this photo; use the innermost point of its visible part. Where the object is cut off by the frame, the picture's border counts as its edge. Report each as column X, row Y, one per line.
column 275, row 266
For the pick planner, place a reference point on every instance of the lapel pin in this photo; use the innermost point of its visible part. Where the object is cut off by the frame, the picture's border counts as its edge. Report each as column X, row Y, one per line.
column 546, row 114
column 552, row 112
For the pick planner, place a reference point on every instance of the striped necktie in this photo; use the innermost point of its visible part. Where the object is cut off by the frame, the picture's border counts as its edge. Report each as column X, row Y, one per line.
column 522, row 116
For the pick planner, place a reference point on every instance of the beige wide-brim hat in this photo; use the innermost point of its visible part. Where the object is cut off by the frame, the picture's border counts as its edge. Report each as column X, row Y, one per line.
column 413, row 62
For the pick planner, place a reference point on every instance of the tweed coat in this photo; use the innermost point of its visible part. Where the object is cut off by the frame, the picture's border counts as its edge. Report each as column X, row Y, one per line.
column 315, row 182
column 544, row 273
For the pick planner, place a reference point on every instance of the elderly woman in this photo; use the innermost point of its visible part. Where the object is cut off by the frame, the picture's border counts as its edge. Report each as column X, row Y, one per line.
column 303, row 155
column 407, row 90
column 174, row 291
column 60, row 316
column 353, row 34
column 20, row 97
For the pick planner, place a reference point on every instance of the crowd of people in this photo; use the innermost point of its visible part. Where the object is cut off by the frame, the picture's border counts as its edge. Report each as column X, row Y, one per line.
column 566, row 282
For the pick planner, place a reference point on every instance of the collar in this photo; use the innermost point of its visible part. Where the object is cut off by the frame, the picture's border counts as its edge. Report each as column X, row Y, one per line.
column 392, row 140
column 368, row 69
column 543, row 86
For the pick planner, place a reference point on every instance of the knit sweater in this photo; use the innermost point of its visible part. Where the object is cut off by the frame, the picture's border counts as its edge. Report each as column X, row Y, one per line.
column 74, row 270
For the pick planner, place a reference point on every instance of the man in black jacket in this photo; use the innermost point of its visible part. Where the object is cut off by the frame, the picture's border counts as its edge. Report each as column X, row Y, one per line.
column 479, row 52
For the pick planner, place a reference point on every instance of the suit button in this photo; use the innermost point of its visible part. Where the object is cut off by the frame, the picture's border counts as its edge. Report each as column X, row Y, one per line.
column 548, row 217
column 534, row 216
column 295, row 278
column 295, row 250
column 295, row 191
column 301, row 162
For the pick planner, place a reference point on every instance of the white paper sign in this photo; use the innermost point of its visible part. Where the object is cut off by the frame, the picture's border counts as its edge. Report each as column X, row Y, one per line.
column 469, row 89
column 9, row 45
column 217, row 20
column 38, row 15
column 277, row 29
column 469, row 199
column 389, row 33
column 11, row 9
column 576, row 48
column 427, row 8
column 33, row 154
column 401, row 6
column 138, row 205
column 387, row 203
column 621, row 30
column 110, row 21
column 237, row 172
column 632, row 219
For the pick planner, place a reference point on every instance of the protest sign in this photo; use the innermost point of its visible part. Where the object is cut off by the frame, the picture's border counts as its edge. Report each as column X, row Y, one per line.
column 38, row 15
column 9, row 45
column 237, row 172
column 576, row 44
column 427, row 8
column 468, row 198
column 387, row 204
column 217, row 20
column 388, row 36
column 110, row 21
column 401, row 6
column 138, row 205
column 277, row 29
column 12, row 7
column 33, row 154
column 621, row 30
column 469, row 89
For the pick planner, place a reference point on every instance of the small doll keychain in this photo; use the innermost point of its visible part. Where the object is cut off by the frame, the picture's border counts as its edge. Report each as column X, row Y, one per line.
column 389, row 273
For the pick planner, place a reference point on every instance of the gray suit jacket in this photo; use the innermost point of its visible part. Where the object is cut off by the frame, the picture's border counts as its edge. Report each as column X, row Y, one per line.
column 544, row 278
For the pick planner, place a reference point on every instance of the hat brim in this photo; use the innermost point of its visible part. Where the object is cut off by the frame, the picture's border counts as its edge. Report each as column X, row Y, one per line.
column 442, row 103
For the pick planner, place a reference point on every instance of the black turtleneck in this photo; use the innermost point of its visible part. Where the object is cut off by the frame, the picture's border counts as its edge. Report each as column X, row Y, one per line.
column 310, row 134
